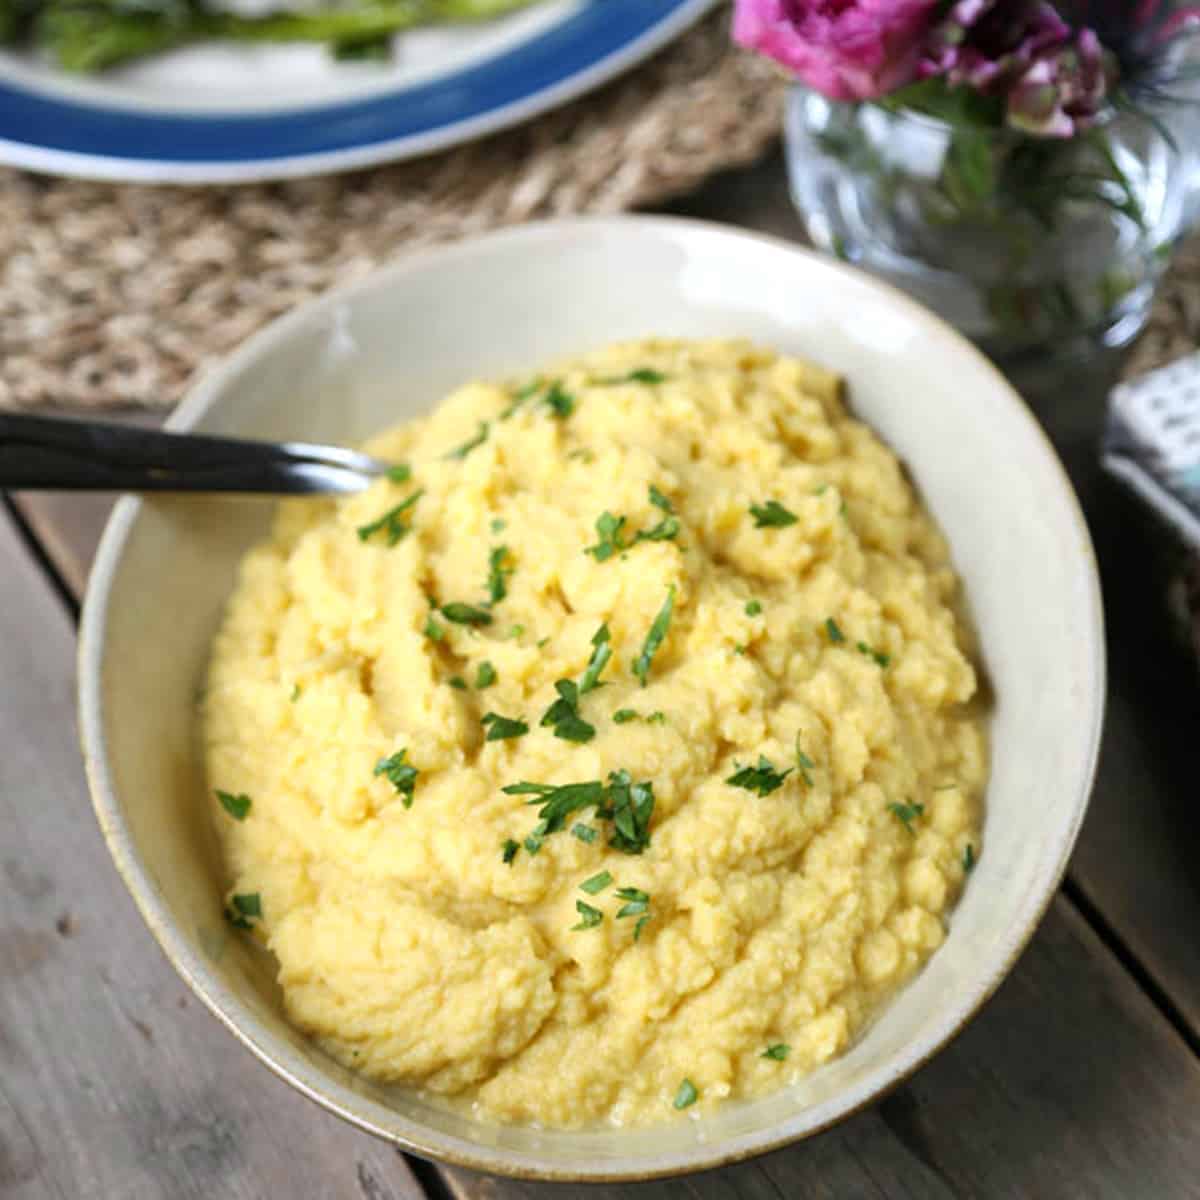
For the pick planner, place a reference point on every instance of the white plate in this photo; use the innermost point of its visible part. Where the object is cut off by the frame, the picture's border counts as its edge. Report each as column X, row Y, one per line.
column 225, row 113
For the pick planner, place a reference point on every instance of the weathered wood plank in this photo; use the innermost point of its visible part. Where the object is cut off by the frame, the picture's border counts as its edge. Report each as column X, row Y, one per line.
column 114, row 1081
column 1070, row 1084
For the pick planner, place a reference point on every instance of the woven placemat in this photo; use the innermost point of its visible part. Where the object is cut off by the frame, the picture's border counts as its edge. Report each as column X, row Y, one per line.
column 117, row 295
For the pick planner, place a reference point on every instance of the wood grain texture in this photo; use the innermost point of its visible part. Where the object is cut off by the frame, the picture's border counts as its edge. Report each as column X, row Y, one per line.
column 1069, row 1085
column 114, row 1081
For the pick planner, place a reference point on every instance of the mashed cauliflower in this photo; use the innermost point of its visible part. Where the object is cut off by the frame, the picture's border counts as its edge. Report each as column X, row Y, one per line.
column 680, row 576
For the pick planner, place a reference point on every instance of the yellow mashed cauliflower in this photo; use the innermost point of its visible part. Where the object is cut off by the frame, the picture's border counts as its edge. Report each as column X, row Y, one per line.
column 783, row 768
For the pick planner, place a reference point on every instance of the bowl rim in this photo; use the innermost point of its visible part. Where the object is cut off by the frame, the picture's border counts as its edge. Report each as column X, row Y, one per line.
column 409, row 1135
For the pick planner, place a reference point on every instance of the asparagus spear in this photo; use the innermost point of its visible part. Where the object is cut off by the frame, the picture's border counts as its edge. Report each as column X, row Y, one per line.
column 90, row 35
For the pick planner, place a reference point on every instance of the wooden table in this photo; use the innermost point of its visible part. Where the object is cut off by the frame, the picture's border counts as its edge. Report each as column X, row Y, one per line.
column 1080, row 1079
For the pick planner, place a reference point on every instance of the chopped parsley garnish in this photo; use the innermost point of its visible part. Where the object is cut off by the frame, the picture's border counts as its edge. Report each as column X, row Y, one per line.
column 686, row 1096
column 497, row 525
column 485, row 676
column 295, row 693
column 608, row 529
column 597, row 883
column 880, row 659
column 657, row 718
column 516, row 631
column 500, row 729
column 561, row 403
column 626, row 804
column 907, row 814
column 601, row 653
column 753, row 608
column 636, row 902
column 969, row 858
column 533, row 843
column 666, row 530
column 654, row 639
column 433, row 631
column 660, row 501
column 638, row 375
column 630, row 807
column 457, row 682
column 510, row 850
column 624, row 715
column 771, row 515
column 520, row 396
column 589, row 917
column 542, row 642
column 763, row 779
column 236, row 806
column 585, row 833
column 401, row 775
column 833, row 631
column 563, row 714
column 804, row 764
column 393, row 524
column 469, row 445
column 400, row 473
column 248, row 904
column 498, row 573
column 778, row 1052
column 465, row 614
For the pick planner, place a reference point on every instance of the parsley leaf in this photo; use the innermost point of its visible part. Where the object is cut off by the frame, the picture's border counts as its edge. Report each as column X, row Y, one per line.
column 880, row 659
column 597, row 883
column 248, row 904
column 243, row 907
column 638, row 375
column 563, row 714
column 433, row 631
column 627, row 805
column 654, row 639
column 295, row 693
column 665, row 531
column 969, row 858
column 833, row 631
column 630, row 807
column 510, row 850
column 657, row 718
column 589, row 917
column 624, row 715
column 686, row 1096
column 907, row 814
column 778, row 1052
column 763, row 779
column 469, row 445
column 804, row 764
column 400, row 473
column 497, row 525
column 401, row 775
column 771, row 515
column 608, row 529
column 753, row 608
column 520, row 396
column 501, row 729
column 637, row 902
column 498, row 574
column 560, row 402
column 599, row 660
column 466, row 614
column 236, row 806
column 660, row 501
column 457, row 682
column 393, row 523
column 485, row 676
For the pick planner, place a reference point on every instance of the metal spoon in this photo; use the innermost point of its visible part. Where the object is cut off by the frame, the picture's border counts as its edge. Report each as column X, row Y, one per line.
column 68, row 455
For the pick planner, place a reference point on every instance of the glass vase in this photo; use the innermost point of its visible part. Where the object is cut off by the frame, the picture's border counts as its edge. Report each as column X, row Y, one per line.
column 1025, row 244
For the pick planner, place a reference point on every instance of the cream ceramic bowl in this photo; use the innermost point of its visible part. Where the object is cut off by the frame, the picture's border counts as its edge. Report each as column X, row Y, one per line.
column 387, row 348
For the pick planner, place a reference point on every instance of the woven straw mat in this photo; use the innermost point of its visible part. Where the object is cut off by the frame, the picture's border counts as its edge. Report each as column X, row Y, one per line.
column 117, row 295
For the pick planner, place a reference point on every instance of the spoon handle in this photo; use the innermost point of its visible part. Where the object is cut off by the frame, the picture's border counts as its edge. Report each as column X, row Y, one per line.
column 50, row 453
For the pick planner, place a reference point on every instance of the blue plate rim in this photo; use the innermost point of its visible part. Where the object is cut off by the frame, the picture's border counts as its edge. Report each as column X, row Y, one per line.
column 581, row 53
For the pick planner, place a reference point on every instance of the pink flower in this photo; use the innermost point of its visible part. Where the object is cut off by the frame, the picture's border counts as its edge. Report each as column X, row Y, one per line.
column 1062, row 90
column 845, row 49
